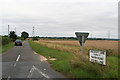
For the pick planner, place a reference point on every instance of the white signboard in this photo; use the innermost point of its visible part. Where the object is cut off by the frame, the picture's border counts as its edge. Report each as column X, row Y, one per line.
column 97, row 56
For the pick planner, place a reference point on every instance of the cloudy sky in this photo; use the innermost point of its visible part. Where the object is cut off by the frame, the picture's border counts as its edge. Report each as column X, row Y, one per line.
column 60, row 17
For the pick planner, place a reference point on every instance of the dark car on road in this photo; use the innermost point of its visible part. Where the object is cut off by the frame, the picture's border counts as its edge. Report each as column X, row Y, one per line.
column 18, row 42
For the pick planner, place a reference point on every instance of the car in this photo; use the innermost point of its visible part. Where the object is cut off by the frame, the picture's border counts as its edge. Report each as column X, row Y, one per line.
column 18, row 42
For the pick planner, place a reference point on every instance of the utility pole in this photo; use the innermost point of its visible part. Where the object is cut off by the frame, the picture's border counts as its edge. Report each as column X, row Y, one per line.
column 15, row 30
column 8, row 30
column 91, row 34
column 108, row 34
column 33, row 32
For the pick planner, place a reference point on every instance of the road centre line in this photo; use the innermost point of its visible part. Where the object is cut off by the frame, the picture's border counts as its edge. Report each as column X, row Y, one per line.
column 17, row 60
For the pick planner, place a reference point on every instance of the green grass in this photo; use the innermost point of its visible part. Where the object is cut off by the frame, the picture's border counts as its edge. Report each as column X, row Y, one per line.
column 71, row 66
column 6, row 47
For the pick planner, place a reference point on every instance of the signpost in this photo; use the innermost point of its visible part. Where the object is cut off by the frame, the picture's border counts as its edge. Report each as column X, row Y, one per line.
column 82, row 36
column 97, row 56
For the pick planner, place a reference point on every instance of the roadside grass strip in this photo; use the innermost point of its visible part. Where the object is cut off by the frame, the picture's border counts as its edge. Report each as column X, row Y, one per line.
column 6, row 47
column 71, row 66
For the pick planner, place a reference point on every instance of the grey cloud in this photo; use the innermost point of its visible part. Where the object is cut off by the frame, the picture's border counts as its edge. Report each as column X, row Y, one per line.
column 61, row 17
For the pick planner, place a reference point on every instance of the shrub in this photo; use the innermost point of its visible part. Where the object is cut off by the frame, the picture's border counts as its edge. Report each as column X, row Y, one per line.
column 5, row 40
column 35, row 38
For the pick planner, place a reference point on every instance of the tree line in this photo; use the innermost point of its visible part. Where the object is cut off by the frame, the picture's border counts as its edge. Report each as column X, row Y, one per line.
column 71, row 38
column 12, row 37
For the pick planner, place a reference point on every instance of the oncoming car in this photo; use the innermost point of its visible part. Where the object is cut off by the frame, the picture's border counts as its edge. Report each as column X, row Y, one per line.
column 18, row 42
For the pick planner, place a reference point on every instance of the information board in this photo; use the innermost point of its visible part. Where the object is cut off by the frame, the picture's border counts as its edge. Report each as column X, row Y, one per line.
column 97, row 56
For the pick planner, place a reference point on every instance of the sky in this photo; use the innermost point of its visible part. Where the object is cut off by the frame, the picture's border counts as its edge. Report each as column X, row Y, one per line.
column 60, row 18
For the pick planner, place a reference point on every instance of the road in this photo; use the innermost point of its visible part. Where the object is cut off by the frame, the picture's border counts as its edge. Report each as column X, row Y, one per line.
column 22, row 62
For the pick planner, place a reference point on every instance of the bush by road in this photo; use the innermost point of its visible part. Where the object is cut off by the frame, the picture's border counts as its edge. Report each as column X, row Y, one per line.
column 5, row 43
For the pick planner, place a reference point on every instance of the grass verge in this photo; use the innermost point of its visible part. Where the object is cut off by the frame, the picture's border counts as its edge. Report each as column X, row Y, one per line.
column 6, row 47
column 71, row 66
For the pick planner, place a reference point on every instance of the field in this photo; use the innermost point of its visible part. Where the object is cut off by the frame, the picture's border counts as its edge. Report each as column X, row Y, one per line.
column 67, row 55
column 74, row 47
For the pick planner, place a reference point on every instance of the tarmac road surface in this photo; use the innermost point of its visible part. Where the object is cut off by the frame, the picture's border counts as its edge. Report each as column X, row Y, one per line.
column 22, row 62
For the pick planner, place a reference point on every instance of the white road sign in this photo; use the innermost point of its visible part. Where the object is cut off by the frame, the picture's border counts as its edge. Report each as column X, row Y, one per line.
column 97, row 56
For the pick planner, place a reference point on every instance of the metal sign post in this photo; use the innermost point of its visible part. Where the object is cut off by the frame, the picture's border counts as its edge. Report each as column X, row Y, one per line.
column 82, row 36
column 82, row 50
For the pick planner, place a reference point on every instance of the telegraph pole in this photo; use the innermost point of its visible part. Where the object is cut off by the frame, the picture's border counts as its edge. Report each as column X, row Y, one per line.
column 91, row 34
column 15, row 29
column 108, row 34
column 33, row 32
column 8, row 30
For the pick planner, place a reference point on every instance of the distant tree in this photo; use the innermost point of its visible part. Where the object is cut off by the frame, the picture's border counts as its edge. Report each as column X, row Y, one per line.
column 35, row 38
column 13, row 35
column 24, row 35
column 5, row 36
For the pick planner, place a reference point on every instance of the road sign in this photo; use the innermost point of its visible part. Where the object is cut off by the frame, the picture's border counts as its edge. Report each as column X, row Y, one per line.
column 97, row 56
column 82, row 36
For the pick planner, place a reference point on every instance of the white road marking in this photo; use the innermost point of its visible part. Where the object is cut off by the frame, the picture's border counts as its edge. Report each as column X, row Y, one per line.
column 34, row 68
column 44, row 69
column 8, row 78
column 31, row 71
column 17, row 60
column 15, row 64
column 45, row 75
